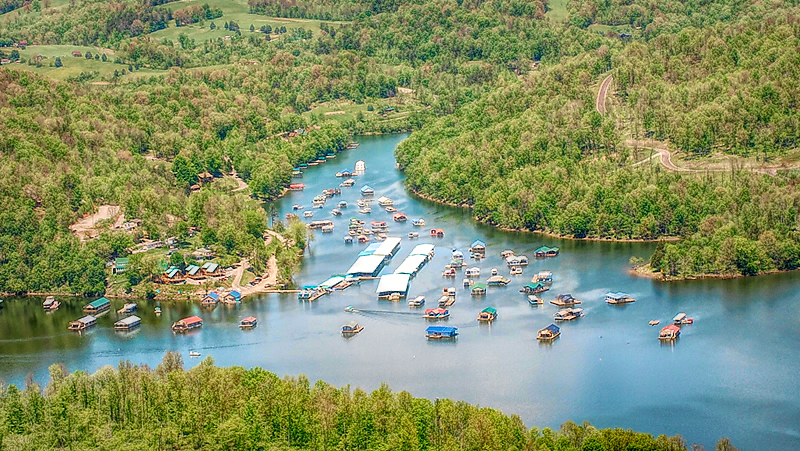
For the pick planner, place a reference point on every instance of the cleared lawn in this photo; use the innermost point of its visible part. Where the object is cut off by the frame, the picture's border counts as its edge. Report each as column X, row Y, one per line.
column 558, row 10
column 73, row 66
column 344, row 111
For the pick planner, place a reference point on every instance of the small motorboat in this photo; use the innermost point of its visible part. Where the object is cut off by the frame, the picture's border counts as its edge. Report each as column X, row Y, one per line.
column 336, row 212
column 535, row 300
column 363, row 239
column 342, row 204
column 418, row 222
column 367, row 232
column 390, row 209
column 365, row 210
column 494, row 271
column 157, row 311
column 348, row 239
column 297, row 207
column 516, row 270
column 654, row 322
column 194, row 354
column 413, row 235
column 308, row 214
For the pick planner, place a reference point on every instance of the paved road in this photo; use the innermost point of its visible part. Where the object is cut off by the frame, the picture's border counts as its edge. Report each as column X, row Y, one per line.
column 600, row 104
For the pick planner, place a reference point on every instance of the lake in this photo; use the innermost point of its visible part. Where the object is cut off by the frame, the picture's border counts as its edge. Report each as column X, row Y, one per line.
column 735, row 372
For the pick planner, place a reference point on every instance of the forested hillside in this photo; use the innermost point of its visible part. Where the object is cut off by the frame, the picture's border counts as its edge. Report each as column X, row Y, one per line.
column 537, row 155
column 212, row 408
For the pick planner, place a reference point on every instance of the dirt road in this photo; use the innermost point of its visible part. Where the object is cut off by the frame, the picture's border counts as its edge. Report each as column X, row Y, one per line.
column 600, row 104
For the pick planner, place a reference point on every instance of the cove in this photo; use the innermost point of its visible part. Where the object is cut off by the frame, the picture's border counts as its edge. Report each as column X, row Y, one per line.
column 734, row 372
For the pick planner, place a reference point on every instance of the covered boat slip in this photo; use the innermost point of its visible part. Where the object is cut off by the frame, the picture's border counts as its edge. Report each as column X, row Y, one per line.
column 332, row 283
column 412, row 265
column 388, row 247
column 393, row 284
column 366, row 266
column 423, row 249
column 128, row 323
column 370, row 250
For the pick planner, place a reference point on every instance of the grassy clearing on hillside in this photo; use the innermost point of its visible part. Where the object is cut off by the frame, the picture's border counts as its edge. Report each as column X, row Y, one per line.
column 557, row 10
column 74, row 66
column 344, row 111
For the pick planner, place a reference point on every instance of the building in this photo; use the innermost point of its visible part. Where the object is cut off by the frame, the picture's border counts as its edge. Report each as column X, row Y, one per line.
column 120, row 264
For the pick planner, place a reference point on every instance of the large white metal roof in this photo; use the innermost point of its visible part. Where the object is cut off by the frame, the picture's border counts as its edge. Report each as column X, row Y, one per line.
column 366, row 265
column 393, row 283
column 412, row 264
column 388, row 247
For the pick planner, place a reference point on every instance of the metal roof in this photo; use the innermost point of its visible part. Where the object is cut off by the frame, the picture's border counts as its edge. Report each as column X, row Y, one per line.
column 617, row 295
column 192, row 269
column 97, row 303
column 213, row 295
column 369, row 250
column 479, row 285
column 491, row 310
column 478, row 243
column 235, row 294
column 87, row 319
column 368, row 265
column 128, row 321
column 422, row 249
column 331, row 282
column 393, row 283
column 412, row 264
column 388, row 247
column 442, row 329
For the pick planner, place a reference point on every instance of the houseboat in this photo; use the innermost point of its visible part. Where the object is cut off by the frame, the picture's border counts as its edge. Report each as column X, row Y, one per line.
column 83, row 323
column 400, row 217
column 533, row 288
column 506, row 253
column 413, row 234
column 449, row 272
column 348, row 183
column 498, row 281
column 436, row 313
column 681, row 318
column 550, row 332
column 194, row 354
column 544, row 277
column 248, row 323
column 446, row 301
column 457, row 255
column 488, row 314
column 477, row 247
column 384, row 201
column 327, row 229
column 545, row 251
column 378, row 224
column 418, row 222
column 478, row 289
column 367, row 190
column 438, row 233
column 568, row 314
column 97, row 306
column 342, row 204
column 619, row 298
column 210, row 299
column 493, row 272
column 351, row 328
column 157, row 311
column 128, row 323
column 365, row 210
column 348, row 239
column 363, row 239
column 516, row 270
column 535, row 300
column 127, row 308
column 472, row 272
column 50, row 304
column 360, row 167
column 297, row 187
column 336, row 212
column 352, row 145
column 330, row 155
column 192, row 322
column 565, row 299
column 417, row 301
column 441, row 332
column 670, row 332
column 467, row 283
column 456, row 264
column 308, row 214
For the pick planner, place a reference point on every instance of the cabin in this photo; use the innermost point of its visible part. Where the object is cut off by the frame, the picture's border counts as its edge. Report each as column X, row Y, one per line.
column 478, row 289
column 120, row 264
column 211, row 299
column 565, row 299
column 488, row 314
column 441, row 332
column 619, row 298
column 533, row 288
column 478, row 247
column 210, row 268
column 192, row 322
column 233, row 297
column 97, row 306
column 436, row 313
column 545, row 251
column 172, row 275
column 248, row 323
column 83, row 323
column 438, row 233
column 670, row 332
column 128, row 323
column 194, row 272
column 352, row 328
column 549, row 333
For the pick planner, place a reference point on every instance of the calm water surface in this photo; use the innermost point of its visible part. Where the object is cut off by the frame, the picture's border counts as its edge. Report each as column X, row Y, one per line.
column 735, row 372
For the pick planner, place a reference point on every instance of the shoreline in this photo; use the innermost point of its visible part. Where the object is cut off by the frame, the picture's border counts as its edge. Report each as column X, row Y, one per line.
column 646, row 272
column 543, row 232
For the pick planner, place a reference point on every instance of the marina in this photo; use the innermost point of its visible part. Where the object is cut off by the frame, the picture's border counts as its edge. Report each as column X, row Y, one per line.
column 301, row 337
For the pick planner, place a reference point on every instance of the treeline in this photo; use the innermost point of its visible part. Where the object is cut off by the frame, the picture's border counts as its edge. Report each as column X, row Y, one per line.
column 213, row 408
column 321, row 9
column 536, row 155
column 10, row 5
column 195, row 13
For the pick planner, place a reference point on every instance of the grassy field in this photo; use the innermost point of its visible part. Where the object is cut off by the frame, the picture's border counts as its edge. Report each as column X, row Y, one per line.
column 73, row 66
column 345, row 111
column 558, row 10
column 232, row 10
